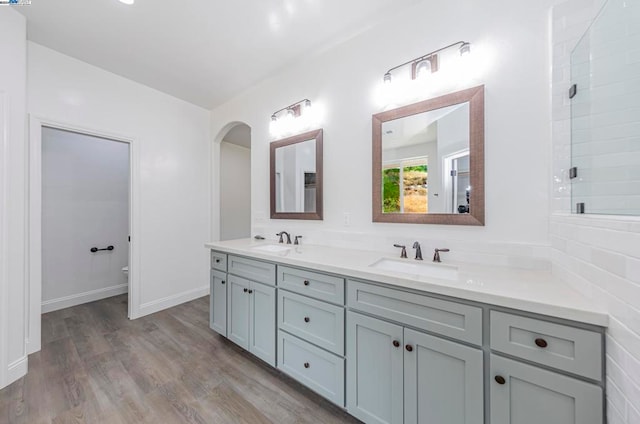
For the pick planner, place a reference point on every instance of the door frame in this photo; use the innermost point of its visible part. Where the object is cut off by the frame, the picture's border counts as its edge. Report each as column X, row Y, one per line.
column 34, row 239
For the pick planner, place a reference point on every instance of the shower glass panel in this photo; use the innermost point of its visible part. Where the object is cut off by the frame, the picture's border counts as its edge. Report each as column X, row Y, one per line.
column 605, row 113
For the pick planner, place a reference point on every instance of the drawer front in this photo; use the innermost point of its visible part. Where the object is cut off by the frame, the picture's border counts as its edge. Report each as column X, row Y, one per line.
column 219, row 261
column 262, row 272
column 560, row 346
column 451, row 319
column 313, row 284
column 317, row 369
column 316, row 322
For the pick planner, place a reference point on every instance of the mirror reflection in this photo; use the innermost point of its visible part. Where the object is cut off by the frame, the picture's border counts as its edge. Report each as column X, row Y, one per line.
column 296, row 177
column 428, row 161
column 425, row 162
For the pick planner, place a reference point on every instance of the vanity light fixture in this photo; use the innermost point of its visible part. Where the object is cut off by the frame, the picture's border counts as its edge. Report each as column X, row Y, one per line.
column 288, row 119
column 465, row 49
column 427, row 64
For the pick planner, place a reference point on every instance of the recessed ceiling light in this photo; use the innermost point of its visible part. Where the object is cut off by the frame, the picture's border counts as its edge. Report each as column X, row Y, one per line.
column 127, row 1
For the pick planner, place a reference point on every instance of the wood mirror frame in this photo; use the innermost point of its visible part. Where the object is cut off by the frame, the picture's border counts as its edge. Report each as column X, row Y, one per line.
column 311, row 135
column 475, row 97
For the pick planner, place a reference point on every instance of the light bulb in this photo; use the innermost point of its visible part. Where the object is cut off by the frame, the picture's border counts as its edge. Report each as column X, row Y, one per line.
column 465, row 49
column 387, row 78
column 129, row 2
column 423, row 68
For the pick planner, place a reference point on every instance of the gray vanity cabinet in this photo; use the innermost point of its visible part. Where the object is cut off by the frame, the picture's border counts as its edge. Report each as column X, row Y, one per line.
column 411, row 357
column 443, row 381
column 524, row 394
column 250, row 305
column 399, row 375
column 218, row 303
column 251, row 316
column 374, row 370
column 262, row 322
column 238, row 307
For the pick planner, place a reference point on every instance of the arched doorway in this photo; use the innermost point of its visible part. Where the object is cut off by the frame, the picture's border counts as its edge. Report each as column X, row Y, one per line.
column 235, row 183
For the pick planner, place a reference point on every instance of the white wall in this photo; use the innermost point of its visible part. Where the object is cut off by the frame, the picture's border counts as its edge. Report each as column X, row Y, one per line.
column 510, row 39
column 598, row 255
column 235, row 195
column 13, row 305
column 85, row 203
column 171, row 169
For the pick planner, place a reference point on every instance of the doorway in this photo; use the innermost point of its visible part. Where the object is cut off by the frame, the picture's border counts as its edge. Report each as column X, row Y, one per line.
column 235, row 183
column 85, row 218
column 95, row 204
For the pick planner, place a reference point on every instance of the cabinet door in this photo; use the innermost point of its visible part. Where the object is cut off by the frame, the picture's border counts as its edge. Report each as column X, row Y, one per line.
column 238, row 300
column 443, row 381
column 524, row 394
column 218, row 303
column 374, row 370
column 262, row 319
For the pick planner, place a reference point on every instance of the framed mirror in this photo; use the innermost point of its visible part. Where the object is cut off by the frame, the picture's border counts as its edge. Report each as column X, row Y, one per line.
column 428, row 161
column 296, row 177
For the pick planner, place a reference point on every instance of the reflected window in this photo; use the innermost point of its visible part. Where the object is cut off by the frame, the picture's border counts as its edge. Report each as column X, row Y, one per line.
column 405, row 186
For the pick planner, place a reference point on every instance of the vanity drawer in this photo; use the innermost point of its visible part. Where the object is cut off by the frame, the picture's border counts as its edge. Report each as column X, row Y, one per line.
column 314, row 284
column 455, row 320
column 317, row 322
column 219, row 261
column 559, row 346
column 317, row 369
column 262, row 272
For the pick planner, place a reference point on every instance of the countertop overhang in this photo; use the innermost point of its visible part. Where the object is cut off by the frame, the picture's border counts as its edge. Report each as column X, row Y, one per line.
column 537, row 292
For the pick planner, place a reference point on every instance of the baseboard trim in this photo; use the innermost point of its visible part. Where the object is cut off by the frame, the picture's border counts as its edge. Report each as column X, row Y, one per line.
column 80, row 298
column 16, row 369
column 171, row 301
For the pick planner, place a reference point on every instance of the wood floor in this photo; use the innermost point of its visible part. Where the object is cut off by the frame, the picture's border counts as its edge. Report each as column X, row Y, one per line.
column 96, row 366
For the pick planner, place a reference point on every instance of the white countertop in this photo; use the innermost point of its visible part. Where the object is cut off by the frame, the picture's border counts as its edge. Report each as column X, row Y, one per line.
column 532, row 291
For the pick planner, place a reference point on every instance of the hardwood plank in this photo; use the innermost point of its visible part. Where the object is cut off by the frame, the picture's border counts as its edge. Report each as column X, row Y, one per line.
column 97, row 366
column 225, row 405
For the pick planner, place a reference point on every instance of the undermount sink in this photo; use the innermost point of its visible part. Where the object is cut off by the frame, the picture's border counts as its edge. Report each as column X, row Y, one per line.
column 425, row 269
column 274, row 248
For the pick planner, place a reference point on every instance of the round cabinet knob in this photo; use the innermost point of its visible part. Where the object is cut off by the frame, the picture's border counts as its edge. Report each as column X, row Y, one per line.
column 541, row 343
column 409, row 348
column 306, row 365
column 250, row 291
column 245, row 290
column 217, row 261
column 306, row 282
column 307, row 319
column 396, row 343
column 222, row 282
column 500, row 379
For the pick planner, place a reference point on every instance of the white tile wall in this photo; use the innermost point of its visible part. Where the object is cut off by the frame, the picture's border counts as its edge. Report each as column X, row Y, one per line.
column 598, row 255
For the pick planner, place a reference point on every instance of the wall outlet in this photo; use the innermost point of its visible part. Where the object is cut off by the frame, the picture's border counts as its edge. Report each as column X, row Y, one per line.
column 347, row 219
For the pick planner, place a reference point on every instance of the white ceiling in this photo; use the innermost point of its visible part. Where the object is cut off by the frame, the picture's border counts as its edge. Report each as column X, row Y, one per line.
column 202, row 51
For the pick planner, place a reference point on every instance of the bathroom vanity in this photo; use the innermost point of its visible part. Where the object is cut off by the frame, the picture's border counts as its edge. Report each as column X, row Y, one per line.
column 396, row 341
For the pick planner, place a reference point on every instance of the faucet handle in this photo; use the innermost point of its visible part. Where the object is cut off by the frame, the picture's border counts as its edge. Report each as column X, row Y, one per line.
column 296, row 240
column 403, row 252
column 436, row 254
column 280, row 234
column 416, row 246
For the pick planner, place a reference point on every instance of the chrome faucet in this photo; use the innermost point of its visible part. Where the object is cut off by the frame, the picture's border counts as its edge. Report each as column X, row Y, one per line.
column 436, row 254
column 281, row 233
column 403, row 252
column 416, row 246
